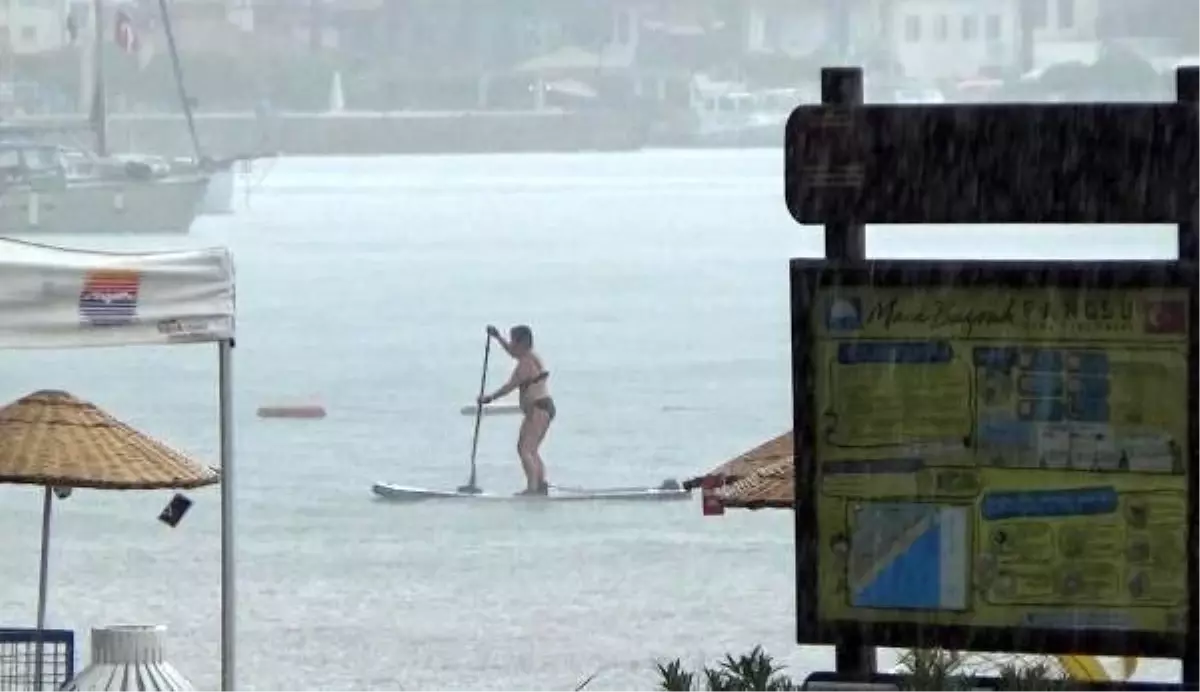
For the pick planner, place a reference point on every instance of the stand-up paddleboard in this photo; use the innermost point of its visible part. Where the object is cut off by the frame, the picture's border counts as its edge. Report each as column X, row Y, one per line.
column 669, row 490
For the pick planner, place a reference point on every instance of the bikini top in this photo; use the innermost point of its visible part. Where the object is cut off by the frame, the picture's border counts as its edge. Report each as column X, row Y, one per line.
column 540, row 377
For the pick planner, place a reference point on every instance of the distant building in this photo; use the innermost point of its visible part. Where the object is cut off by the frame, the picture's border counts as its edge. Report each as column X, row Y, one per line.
column 32, row 26
column 792, row 28
column 235, row 27
column 224, row 27
column 40, row 26
column 948, row 39
column 1156, row 28
column 1063, row 31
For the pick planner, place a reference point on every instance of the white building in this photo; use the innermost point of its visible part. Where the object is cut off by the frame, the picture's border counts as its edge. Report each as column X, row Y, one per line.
column 930, row 39
column 1064, row 30
column 39, row 26
column 953, row 39
column 32, row 26
column 795, row 28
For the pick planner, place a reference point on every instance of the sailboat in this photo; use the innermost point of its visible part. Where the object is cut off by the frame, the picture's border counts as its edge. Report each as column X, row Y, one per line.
column 218, row 198
column 48, row 188
column 52, row 189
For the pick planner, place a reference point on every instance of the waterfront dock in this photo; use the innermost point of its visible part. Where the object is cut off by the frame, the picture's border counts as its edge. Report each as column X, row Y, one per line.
column 353, row 133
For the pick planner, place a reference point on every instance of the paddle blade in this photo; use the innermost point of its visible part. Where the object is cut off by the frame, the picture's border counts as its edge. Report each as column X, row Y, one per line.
column 470, row 490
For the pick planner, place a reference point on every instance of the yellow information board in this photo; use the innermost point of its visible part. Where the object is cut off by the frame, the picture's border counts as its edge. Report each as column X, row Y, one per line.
column 1001, row 457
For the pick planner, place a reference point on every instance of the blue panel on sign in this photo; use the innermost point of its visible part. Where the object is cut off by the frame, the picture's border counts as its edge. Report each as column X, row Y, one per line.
column 1088, row 362
column 1040, row 385
column 1006, row 433
column 1040, row 409
column 1089, row 387
column 1041, row 360
column 1002, row 359
column 1088, row 410
column 918, row 352
column 912, row 579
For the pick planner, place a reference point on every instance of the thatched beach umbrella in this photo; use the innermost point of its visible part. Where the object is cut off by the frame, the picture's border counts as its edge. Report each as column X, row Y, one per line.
column 759, row 478
column 52, row 439
column 770, row 487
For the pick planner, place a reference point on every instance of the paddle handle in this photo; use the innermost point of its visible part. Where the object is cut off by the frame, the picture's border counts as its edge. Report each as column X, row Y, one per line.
column 487, row 351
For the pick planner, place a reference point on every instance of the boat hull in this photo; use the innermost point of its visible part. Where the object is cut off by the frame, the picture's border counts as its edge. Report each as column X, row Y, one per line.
column 102, row 206
column 218, row 198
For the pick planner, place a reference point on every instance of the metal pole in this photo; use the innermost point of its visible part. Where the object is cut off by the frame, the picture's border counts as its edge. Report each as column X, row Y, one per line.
column 846, row 243
column 87, row 71
column 100, row 103
column 228, row 556
column 43, row 578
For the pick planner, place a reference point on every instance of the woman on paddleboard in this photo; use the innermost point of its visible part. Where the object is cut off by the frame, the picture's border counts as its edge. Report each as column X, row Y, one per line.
column 529, row 378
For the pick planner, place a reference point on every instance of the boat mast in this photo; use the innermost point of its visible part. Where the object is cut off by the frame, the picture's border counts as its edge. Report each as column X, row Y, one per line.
column 99, row 102
column 184, row 101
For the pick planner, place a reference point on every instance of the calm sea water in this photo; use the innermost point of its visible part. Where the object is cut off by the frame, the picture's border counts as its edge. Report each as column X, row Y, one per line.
column 657, row 287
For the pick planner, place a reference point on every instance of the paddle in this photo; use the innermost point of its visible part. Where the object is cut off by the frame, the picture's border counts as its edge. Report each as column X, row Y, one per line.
column 470, row 488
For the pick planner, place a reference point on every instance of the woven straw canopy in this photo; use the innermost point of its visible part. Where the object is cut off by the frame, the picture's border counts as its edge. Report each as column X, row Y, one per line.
column 762, row 477
column 52, row 438
column 772, row 486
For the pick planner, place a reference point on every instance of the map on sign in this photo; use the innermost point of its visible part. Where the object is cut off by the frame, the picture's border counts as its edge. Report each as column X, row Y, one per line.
column 1002, row 458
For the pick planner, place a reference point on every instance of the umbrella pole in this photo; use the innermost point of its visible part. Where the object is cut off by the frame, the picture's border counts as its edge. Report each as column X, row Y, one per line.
column 228, row 585
column 43, row 575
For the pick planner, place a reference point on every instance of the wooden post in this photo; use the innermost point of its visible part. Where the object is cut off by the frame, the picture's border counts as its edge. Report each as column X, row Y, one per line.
column 1187, row 90
column 843, row 86
column 847, row 242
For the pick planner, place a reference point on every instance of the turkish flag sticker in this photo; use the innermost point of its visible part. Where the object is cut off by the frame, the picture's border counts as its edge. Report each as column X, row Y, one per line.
column 1166, row 316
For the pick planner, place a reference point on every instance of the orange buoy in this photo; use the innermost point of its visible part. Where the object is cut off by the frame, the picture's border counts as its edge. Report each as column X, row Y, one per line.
column 312, row 411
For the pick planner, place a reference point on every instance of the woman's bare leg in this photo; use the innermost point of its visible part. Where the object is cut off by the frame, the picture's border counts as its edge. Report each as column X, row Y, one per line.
column 541, row 426
column 527, row 451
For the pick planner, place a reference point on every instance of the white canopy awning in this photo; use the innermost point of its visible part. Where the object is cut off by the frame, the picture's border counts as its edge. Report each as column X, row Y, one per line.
column 53, row 297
